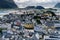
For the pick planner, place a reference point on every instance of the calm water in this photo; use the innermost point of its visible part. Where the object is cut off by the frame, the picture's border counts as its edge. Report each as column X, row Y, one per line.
column 6, row 11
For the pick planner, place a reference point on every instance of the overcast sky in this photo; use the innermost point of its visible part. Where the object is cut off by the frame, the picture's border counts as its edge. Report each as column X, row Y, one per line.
column 45, row 3
column 37, row 0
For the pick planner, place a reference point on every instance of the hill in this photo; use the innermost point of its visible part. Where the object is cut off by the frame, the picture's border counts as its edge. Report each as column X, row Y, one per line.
column 7, row 4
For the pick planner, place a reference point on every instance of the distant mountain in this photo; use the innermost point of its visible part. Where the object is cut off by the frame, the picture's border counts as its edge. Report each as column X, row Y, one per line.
column 57, row 5
column 7, row 4
column 30, row 7
column 35, row 7
column 39, row 7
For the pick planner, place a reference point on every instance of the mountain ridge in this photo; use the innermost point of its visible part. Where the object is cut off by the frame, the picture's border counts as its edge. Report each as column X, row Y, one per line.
column 57, row 5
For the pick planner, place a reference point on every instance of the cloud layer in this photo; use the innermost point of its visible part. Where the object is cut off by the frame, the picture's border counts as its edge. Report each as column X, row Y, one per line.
column 24, row 3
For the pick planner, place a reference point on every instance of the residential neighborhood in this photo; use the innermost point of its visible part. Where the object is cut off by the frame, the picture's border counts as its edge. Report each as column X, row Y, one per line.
column 30, row 24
